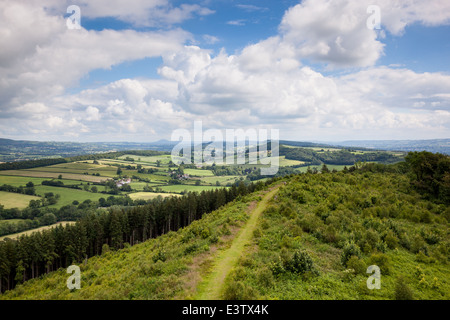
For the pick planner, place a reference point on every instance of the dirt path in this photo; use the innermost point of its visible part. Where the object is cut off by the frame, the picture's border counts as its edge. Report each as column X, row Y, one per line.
column 211, row 287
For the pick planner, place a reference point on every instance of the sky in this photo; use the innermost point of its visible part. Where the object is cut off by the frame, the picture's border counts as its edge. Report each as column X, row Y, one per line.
column 137, row 70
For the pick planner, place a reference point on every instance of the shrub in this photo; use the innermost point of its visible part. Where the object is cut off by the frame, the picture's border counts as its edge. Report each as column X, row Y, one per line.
column 213, row 239
column 350, row 249
column 371, row 237
column 299, row 263
column 271, row 211
column 299, row 196
column 430, row 237
column 381, row 246
column 160, row 255
column 105, row 248
column 357, row 265
column 238, row 290
column 331, row 235
column 191, row 248
column 225, row 230
column 391, row 240
column 310, row 223
column 421, row 257
column 205, row 233
column 418, row 244
column 402, row 290
column 265, row 278
column 382, row 261
column 277, row 266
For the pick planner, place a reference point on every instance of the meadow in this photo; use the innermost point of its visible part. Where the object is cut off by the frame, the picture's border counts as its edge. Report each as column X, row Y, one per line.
column 179, row 188
column 18, row 181
column 53, row 174
column 165, row 159
column 199, row 172
column 28, row 232
column 223, row 180
column 330, row 167
column 15, row 200
column 68, row 195
column 150, row 195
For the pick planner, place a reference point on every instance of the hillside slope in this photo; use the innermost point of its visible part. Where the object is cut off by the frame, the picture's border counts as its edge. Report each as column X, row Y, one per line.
column 312, row 238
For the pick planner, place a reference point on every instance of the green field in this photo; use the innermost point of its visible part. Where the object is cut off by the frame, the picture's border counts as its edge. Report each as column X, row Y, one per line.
column 79, row 168
column 122, row 162
column 223, row 180
column 54, row 175
column 28, row 232
column 153, row 177
column 150, row 195
column 15, row 200
column 329, row 166
column 69, row 195
column 283, row 162
column 165, row 159
column 199, row 172
column 178, row 188
column 22, row 181
column 139, row 186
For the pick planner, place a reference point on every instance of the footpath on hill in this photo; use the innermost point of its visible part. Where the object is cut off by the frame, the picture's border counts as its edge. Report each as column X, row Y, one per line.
column 212, row 286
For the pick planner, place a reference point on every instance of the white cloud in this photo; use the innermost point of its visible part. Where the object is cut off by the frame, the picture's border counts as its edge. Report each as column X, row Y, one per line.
column 209, row 39
column 92, row 114
column 335, row 31
column 42, row 57
column 139, row 13
column 240, row 22
column 400, row 88
column 251, row 8
column 332, row 32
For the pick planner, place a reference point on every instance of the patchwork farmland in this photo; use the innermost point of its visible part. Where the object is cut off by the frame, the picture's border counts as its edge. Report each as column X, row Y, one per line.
column 47, row 194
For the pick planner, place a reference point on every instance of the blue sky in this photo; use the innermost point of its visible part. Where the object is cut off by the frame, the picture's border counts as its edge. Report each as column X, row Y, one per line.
column 138, row 70
column 237, row 24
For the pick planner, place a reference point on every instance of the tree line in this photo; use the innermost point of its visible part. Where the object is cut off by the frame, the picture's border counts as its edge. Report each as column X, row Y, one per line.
column 341, row 157
column 28, row 164
column 32, row 255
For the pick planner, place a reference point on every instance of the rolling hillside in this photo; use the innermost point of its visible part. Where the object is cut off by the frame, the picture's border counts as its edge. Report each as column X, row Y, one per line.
column 312, row 236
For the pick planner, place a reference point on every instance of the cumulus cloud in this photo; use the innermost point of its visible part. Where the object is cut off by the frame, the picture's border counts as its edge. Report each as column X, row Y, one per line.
column 36, row 65
column 335, row 32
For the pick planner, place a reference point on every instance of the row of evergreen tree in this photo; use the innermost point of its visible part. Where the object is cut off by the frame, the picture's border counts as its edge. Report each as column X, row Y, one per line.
column 340, row 157
column 33, row 255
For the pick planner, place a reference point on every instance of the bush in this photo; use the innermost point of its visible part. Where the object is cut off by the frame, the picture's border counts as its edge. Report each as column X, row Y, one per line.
column 191, row 248
column 160, row 255
column 402, row 290
column 418, row 244
column 237, row 290
column 350, row 249
column 382, row 261
column 299, row 263
column 105, row 248
column 225, row 230
column 391, row 240
column 357, row 265
column 265, row 278
column 310, row 223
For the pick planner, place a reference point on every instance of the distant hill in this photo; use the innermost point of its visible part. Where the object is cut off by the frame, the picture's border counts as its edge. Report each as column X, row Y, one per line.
column 16, row 150
column 433, row 145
